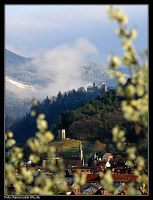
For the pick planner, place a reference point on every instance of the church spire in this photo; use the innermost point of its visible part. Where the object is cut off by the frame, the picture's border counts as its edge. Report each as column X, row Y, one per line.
column 80, row 151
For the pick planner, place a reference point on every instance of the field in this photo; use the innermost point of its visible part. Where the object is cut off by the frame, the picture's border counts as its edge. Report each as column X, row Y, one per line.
column 70, row 147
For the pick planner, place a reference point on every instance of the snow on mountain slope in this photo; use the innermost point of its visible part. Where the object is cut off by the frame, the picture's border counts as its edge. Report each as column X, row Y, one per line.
column 18, row 84
column 20, row 89
column 24, row 78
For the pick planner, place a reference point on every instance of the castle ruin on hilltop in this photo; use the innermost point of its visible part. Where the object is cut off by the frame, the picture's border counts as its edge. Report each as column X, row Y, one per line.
column 95, row 88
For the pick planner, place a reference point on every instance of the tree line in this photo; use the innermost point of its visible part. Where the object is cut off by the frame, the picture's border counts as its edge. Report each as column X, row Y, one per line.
column 25, row 127
column 84, row 115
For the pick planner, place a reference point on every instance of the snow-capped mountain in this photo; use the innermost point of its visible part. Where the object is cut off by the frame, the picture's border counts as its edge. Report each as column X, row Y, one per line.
column 23, row 70
column 23, row 78
column 25, row 73
column 92, row 72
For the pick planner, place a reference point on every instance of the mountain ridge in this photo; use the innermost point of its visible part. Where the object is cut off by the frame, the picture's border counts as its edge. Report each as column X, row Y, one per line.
column 22, row 78
column 22, row 69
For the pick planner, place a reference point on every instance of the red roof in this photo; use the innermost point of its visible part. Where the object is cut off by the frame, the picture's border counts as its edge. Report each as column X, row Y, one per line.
column 29, row 168
column 117, row 178
column 124, row 177
column 93, row 178
column 108, row 154
column 36, row 168
column 98, row 168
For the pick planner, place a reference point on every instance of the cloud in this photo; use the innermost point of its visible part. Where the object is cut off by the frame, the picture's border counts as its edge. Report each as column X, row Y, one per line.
column 55, row 18
column 85, row 47
column 64, row 63
column 70, row 16
column 39, row 28
column 51, row 19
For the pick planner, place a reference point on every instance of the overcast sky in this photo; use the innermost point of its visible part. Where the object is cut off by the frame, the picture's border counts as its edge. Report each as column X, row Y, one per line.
column 34, row 30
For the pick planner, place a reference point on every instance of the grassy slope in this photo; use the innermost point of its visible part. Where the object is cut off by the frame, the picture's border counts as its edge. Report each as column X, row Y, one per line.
column 71, row 147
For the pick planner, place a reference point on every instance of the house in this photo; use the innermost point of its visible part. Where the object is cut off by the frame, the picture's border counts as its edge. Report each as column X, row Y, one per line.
column 123, row 178
column 83, row 169
column 115, row 163
column 101, row 163
column 93, row 178
column 47, row 162
column 91, row 189
column 107, row 156
column 108, row 165
column 72, row 161
column 122, row 170
column 98, row 169
column 117, row 178
column 121, row 188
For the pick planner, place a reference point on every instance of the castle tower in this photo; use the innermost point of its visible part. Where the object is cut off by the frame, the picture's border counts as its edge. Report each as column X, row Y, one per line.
column 61, row 134
column 104, row 87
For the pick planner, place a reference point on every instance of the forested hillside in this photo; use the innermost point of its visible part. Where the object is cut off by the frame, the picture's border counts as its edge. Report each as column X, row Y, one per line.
column 52, row 108
column 84, row 115
column 16, row 107
column 95, row 119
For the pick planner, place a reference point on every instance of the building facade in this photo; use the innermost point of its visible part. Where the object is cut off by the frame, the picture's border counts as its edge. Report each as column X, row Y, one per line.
column 95, row 88
column 107, row 156
column 61, row 134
